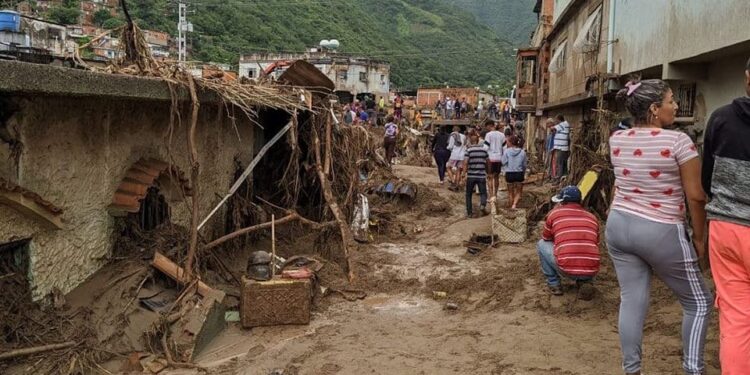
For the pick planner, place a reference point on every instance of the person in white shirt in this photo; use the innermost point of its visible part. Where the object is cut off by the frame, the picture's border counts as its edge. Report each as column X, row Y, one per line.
column 457, row 146
column 561, row 146
column 493, row 143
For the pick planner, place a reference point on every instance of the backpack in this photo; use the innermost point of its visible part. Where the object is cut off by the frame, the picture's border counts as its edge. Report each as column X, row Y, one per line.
column 456, row 139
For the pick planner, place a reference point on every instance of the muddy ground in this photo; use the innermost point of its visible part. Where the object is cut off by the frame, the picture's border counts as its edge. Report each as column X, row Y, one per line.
column 505, row 323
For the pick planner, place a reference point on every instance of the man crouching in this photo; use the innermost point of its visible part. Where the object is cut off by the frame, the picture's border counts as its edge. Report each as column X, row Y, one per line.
column 570, row 244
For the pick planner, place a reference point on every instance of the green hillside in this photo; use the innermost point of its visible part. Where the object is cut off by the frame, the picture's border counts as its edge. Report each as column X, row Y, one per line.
column 513, row 20
column 428, row 42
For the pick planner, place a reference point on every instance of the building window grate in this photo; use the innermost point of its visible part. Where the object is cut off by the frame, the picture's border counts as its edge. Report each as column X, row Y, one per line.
column 686, row 100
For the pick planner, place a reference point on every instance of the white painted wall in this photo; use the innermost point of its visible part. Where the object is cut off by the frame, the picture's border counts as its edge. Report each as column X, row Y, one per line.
column 654, row 32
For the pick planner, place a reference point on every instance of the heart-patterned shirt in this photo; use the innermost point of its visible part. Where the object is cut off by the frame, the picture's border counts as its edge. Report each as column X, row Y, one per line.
column 647, row 172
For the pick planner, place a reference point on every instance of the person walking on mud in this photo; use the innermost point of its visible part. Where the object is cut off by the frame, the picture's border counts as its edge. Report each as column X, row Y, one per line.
column 475, row 163
column 389, row 140
column 514, row 163
column 493, row 143
column 440, row 152
column 726, row 179
column 655, row 169
column 457, row 147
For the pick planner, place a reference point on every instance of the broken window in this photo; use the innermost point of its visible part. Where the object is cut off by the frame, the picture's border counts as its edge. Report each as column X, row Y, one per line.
column 685, row 98
column 251, row 73
column 154, row 210
column 588, row 36
column 14, row 268
column 557, row 63
column 382, row 78
column 342, row 75
column 363, row 76
column 528, row 67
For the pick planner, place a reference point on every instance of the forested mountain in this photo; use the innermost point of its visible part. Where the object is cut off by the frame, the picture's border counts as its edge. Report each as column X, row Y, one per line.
column 513, row 20
column 428, row 42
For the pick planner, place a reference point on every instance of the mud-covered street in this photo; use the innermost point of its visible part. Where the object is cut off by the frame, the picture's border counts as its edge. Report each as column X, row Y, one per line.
column 505, row 321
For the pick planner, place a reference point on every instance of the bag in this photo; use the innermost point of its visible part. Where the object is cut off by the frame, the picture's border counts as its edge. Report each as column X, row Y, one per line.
column 456, row 139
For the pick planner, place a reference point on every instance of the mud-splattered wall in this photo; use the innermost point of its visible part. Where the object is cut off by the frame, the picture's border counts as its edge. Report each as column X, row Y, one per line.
column 77, row 151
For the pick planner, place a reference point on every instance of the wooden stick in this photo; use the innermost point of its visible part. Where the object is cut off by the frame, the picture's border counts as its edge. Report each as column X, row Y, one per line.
column 273, row 245
column 251, row 229
column 34, row 350
column 195, row 168
column 246, row 173
column 178, row 274
column 325, row 185
column 327, row 164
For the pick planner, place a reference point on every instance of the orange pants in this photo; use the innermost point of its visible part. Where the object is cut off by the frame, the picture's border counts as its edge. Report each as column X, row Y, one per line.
column 729, row 252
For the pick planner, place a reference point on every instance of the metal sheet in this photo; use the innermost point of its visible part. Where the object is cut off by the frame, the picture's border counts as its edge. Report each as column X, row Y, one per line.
column 302, row 73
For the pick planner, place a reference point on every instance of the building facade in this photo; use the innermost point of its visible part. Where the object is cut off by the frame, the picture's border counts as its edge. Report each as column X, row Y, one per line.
column 584, row 49
column 352, row 75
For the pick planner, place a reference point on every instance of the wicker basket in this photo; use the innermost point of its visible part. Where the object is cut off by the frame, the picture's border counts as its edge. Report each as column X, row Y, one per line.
column 275, row 302
column 509, row 225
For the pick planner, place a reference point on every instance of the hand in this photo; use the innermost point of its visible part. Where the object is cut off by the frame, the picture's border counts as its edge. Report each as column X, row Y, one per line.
column 700, row 247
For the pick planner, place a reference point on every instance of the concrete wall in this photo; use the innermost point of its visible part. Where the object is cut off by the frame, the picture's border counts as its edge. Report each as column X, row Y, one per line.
column 76, row 152
column 724, row 82
column 558, row 7
column 571, row 80
column 352, row 83
column 668, row 31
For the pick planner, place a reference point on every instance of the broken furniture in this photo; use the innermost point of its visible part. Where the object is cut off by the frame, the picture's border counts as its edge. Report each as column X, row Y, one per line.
column 200, row 317
column 278, row 301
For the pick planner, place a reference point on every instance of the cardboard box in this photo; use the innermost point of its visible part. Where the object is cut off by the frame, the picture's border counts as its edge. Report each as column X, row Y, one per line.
column 275, row 302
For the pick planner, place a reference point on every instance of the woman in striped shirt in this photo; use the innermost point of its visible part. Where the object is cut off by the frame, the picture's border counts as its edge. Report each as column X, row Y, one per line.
column 655, row 170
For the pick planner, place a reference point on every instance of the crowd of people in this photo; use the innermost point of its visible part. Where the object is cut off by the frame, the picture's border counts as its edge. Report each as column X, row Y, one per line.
column 453, row 108
column 476, row 158
column 660, row 181
column 369, row 111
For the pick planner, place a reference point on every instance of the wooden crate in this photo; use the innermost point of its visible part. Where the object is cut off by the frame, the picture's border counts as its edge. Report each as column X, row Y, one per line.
column 275, row 302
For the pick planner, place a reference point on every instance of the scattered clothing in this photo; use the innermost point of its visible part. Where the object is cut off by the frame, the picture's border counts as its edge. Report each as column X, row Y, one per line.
column 647, row 168
column 638, row 247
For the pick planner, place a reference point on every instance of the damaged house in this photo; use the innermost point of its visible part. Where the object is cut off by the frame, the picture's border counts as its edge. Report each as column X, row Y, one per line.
column 81, row 149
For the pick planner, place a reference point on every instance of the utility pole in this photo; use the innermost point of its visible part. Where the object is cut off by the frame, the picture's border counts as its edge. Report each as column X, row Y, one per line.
column 183, row 27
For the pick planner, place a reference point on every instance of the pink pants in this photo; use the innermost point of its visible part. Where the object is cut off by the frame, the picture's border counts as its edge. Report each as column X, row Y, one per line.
column 729, row 252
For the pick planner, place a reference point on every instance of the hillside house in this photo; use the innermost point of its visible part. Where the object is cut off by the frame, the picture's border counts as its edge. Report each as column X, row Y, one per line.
column 352, row 75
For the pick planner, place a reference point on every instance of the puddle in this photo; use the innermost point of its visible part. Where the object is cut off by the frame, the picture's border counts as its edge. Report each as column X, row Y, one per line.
column 397, row 305
column 423, row 262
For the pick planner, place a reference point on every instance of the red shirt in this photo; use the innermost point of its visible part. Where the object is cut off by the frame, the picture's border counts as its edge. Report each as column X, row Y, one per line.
column 575, row 233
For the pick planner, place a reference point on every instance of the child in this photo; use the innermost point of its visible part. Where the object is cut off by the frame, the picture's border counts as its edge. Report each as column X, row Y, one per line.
column 514, row 165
